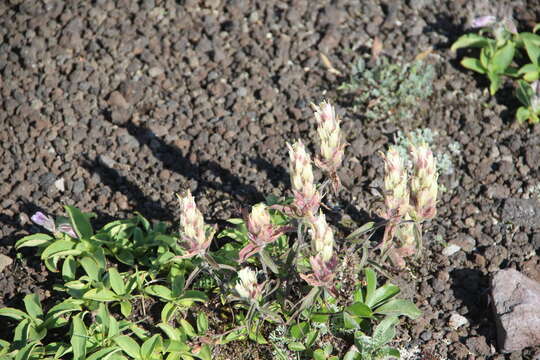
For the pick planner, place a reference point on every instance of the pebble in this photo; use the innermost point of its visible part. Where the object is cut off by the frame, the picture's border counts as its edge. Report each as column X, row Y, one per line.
column 456, row 321
column 117, row 99
column 451, row 249
column 5, row 261
column 60, row 184
column 78, row 186
column 155, row 71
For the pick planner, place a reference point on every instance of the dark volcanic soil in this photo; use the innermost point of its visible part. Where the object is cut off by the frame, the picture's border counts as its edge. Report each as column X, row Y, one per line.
column 114, row 106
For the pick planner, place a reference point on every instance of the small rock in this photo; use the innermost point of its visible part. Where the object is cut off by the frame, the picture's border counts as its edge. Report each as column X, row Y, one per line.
column 465, row 242
column 155, row 71
column 60, row 184
column 78, row 186
column 516, row 300
column 116, row 99
column 478, row 345
column 451, row 249
column 524, row 212
column 107, row 161
column 5, row 261
column 456, row 321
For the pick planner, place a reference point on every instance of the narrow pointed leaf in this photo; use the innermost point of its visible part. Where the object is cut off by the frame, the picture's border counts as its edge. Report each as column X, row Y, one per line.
column 80, row 222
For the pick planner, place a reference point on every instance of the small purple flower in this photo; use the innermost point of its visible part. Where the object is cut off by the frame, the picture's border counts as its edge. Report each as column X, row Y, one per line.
column 484, row 21
column 67, row 229
column 43, row 220
column 48, row 223
column 510, row 25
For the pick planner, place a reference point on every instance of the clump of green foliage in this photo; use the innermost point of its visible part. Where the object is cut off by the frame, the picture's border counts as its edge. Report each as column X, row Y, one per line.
column 389, row 90
column 505, row 52
column 278, row 273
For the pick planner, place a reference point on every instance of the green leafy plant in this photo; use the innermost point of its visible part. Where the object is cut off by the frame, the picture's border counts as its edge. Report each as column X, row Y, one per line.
column 496, row 60
column 529, row 96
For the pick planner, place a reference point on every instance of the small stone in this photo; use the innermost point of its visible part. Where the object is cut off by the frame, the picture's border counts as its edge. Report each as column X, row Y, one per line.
column 5, row 261
column 478, row 345
column 525, row 212
column 116, row 99
column 60, row 184
column 241, row 92
column 451, row 249
column 456, row 321
column 516, row 300
column 155, row 71
column 78, row 186
column 107, row 161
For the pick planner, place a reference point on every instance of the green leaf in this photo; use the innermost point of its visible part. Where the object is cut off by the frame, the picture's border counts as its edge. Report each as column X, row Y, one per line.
column 235, row 221
column 531, row 43
column 167, row 312
column 80, row 222
column 388, row 352
column 352, row 354
column 13, row 313
column 125, row 256
column 100, row 295
column 533, row 51
column 398, row 307
column 296, row 346
column 495, row 83
column 21, row 333
column 381, row 295
column 117, row 283
column 522, row 115
column 69, row 269
column 299, row 331
column 78, row 338
column 527, row 68
column 349, row 321
column 385, row 331
column 59, row 246
column 311, row 337
column 524, row 93
column 195, row 295
column 202, row 323
column 470, row 40
column 319, row 355
column 178, row 285
column 125, row 308
column 531, row 76
column 91, row 267
column 104, row 353
column 359, row 309
column 536, row 27
column 33, row 240
column 319, row 318
column 114, row 327
column 473, row 64
column 172, row 332
column 33, row 306
column 159, row 291
column 150, row 345
column 55, row 316
column 371, row 280
column 190, row 331
column 26, row 352
column 502, row 58
column 128, row 345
